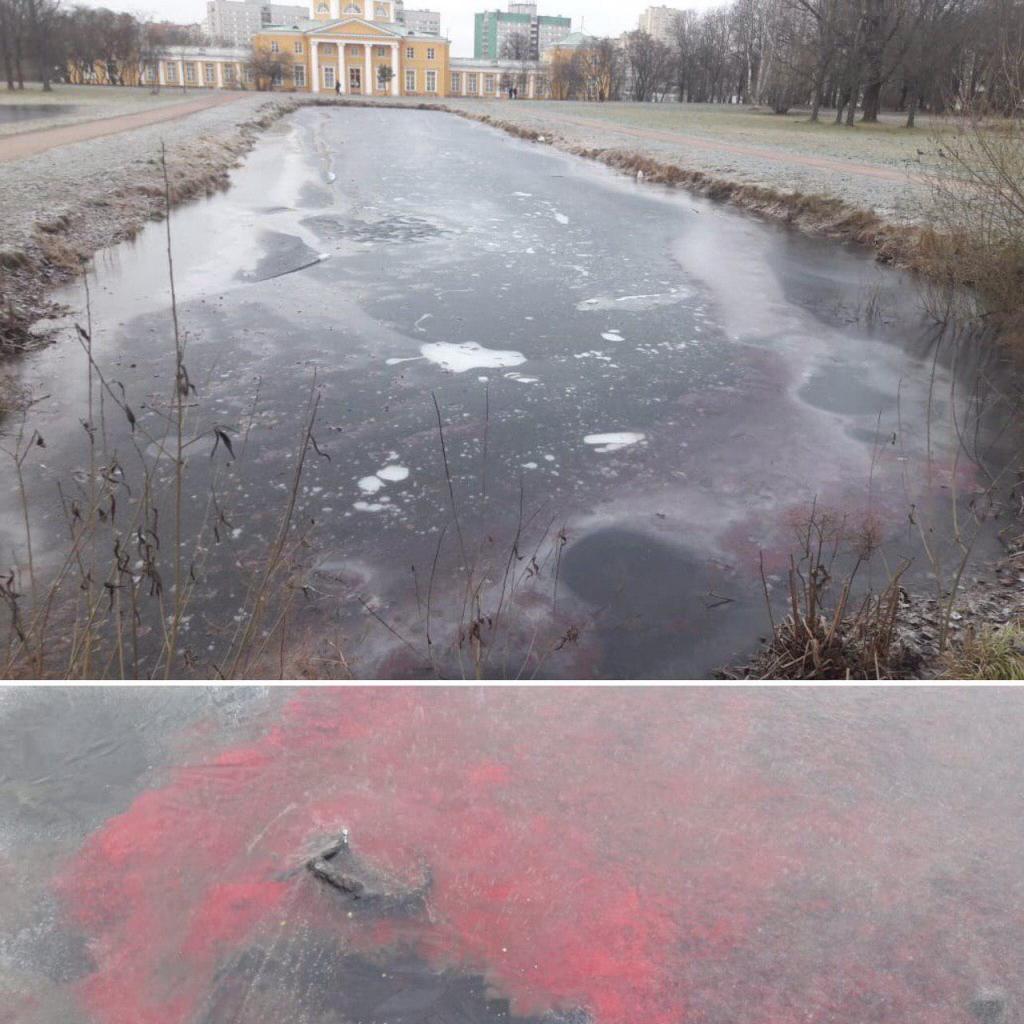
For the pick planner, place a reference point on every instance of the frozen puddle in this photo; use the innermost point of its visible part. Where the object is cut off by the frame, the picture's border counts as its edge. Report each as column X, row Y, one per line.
column 614, row 442
column 631, row 303
column 468, row 356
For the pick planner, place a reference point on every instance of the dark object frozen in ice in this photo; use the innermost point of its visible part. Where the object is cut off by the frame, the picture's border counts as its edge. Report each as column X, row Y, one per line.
column 341, row 868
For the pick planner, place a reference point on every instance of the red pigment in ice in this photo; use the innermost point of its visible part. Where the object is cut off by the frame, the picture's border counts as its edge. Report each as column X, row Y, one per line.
column 616, row 851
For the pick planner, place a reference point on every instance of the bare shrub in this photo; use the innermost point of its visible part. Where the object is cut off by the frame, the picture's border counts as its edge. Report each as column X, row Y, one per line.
column 828, row 632
column 975, row 247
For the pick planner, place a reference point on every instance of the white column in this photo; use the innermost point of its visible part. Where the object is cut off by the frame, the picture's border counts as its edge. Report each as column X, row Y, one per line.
column 181, row 73
column 161, row 73
column 314, row 65
column 395, row 69
column 220, row 74
column 339, row 49
column 369, row 84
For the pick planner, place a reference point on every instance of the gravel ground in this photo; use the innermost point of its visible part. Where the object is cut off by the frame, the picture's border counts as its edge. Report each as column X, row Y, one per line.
column 84, row 103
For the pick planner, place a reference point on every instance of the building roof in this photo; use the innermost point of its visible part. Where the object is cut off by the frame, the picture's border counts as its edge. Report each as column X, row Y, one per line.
column 308, row 26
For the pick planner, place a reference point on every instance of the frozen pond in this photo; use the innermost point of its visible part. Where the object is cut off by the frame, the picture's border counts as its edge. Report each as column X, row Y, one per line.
column 606, row 856
column 650, row 390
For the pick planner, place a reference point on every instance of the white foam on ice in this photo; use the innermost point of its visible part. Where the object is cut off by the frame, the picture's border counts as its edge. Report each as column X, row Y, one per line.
column 561, row 218
column 368, row 506
column 614, row 442
column 370, row 484
column 393, row 474
column 469, row 356
column 612, row 336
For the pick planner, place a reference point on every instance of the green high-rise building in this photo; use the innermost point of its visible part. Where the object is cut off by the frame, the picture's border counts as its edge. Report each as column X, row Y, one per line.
column 493, row 29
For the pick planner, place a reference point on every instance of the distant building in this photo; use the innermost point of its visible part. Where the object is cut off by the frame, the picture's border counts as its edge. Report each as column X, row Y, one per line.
column 235, row 22
column 493, row 29
column 421, row 22
column 660, row 22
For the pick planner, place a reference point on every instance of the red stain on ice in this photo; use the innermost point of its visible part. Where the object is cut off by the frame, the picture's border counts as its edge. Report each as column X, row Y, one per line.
column 611, row 850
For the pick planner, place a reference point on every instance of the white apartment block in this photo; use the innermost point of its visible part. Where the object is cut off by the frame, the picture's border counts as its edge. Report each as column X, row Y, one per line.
column 420, row 22
column 235, row 22
column 660, row 22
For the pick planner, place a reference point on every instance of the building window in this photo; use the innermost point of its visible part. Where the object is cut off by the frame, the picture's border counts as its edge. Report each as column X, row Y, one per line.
column 431, row 54
column 209, row 74
column 471, row 84
column 382, row 51
column 328, row 78
column 488, row 83
column 190, row 72
column 410, row 81
column 410, row 53
column 278, row 78
column 229, row 73
column 250, row 75
column 150, row 73
column 353, row 9
column 322, row 9
column 299, row 76
column 456, row 85
column 274, row 48
column 355, row 79
column 172, row 73
column 298, row 46
column 431, row 81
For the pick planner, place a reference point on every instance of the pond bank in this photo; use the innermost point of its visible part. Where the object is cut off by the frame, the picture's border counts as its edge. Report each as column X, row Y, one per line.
column 61, row 207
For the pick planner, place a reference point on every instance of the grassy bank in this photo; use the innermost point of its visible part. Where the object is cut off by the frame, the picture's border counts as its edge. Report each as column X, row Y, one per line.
column 59, row 246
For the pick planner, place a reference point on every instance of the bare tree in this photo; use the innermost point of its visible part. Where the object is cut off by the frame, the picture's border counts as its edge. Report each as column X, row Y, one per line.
column 266, row 67
column 650, row 66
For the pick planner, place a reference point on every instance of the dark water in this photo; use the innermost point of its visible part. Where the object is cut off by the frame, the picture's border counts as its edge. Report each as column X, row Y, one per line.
column 605, row 855
column 651, row 390
column 10, row 112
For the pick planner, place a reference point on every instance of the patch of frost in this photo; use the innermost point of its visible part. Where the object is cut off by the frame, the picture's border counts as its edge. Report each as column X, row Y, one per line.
column 469, row 356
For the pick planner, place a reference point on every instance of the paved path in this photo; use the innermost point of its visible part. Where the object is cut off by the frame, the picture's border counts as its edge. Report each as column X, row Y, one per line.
column 761, row 152
column 25, row 144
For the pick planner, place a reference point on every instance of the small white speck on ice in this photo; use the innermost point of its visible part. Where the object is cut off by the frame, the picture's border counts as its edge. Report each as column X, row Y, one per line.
column 561, row 218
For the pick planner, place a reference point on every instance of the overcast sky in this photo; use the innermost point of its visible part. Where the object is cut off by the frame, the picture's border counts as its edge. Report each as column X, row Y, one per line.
column 456, row 15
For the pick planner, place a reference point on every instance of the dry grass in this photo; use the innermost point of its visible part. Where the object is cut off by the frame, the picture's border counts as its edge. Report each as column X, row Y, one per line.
column 991, row 653
column 827, row 632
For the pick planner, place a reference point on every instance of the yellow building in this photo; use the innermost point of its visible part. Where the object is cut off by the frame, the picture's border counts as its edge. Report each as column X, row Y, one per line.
column 356, row 47
column 350, row 47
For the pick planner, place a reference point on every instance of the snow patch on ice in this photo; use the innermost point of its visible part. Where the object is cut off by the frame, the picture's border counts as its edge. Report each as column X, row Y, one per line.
column 631, row 303
column 561, row 218
column 612, row 336
column 614, row 442
column 393, row 474
column 370, row 484
column 469, row 356
column 368, row 506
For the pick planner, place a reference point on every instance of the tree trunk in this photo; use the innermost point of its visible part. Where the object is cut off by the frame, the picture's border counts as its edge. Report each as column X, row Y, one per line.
column 912, row 105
